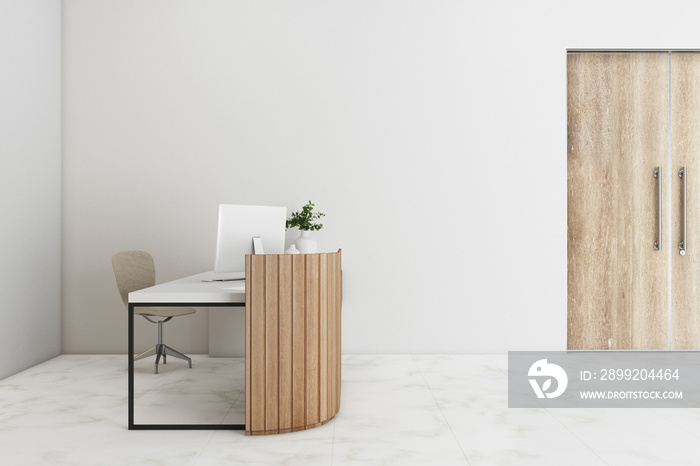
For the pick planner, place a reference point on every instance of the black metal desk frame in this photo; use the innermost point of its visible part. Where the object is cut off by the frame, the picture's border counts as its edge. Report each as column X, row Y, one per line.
column 133, row 426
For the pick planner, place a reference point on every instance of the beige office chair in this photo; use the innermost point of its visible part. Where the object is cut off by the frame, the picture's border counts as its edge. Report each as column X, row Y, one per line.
column 134, row 270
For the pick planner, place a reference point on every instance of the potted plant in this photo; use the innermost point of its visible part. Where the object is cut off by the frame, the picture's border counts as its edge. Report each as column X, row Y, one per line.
column 304, row 221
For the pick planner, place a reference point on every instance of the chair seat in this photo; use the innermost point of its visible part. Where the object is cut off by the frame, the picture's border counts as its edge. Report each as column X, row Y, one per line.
column 164, row 311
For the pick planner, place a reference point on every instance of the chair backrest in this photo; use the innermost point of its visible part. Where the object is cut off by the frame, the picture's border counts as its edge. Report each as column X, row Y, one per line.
column 134, row 270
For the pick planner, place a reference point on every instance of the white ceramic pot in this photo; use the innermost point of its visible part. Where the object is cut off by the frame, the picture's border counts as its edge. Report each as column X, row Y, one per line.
column 305, row 243
column 292, row 249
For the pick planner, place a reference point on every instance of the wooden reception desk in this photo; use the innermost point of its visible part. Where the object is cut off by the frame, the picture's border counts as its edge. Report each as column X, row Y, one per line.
column 292, row 329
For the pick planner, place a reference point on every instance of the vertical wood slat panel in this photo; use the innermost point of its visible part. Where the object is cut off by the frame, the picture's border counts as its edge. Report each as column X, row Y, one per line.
column 285, row 341
column 293, row 352
column 323, row 336
column 312, row 334
column 258, row 343
column 248, row 339
column 298, row 342
column 271, row 343
column 331, row 333
column 338, row 317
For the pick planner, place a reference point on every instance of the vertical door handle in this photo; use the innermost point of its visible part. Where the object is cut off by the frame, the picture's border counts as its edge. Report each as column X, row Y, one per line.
column 683, row 245
column 657, row 175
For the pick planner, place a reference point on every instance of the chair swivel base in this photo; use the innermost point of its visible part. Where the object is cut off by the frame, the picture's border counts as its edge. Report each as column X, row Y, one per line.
column 162, row 350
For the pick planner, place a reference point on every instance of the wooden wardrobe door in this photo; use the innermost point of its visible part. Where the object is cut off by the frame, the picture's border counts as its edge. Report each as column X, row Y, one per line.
column 685, row 149
column 617, row 136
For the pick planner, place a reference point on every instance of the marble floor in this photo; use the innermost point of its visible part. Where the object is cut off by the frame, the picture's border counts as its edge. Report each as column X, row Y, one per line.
column 396, row 410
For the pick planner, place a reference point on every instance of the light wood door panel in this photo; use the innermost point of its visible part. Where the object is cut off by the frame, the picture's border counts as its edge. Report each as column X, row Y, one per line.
column 617, row 135
column 685, row 149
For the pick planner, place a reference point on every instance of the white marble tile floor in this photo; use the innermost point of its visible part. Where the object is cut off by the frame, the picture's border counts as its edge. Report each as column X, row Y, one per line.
column 399, row 410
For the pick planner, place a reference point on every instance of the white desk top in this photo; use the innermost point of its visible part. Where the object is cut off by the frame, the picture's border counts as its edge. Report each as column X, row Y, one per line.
column 192, row 290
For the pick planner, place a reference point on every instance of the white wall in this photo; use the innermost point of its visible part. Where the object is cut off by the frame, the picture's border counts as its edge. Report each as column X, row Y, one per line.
column 432, row 133
column 30, row 183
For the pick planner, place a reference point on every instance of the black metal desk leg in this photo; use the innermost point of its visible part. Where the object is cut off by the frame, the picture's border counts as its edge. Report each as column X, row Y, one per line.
column 131, row 366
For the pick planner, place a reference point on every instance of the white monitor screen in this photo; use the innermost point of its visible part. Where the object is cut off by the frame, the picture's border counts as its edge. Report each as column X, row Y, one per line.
column 238, row 225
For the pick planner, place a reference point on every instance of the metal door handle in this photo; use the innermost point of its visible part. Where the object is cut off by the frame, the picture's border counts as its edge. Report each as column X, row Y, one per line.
column 657, row 175
column 683, row 245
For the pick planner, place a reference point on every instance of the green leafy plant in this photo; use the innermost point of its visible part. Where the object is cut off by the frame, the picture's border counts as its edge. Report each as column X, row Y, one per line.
column 304, row 219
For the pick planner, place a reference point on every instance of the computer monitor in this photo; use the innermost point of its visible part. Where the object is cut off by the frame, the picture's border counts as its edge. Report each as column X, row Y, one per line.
column 238, row 225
